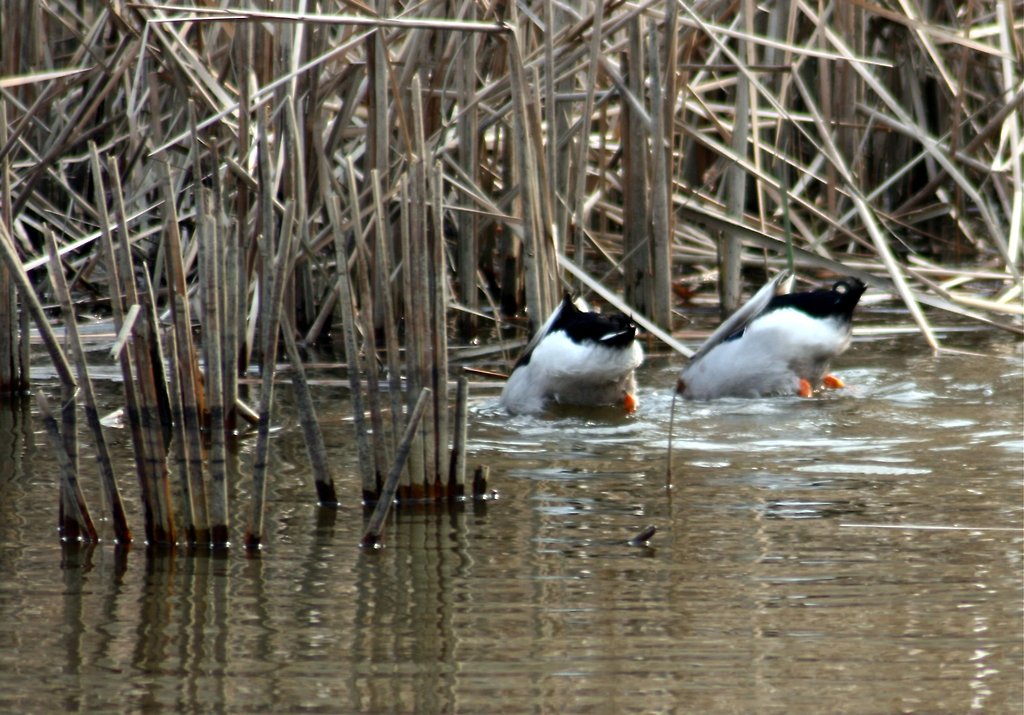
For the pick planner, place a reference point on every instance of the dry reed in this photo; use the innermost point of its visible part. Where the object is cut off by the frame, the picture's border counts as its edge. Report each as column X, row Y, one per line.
column 398, row 171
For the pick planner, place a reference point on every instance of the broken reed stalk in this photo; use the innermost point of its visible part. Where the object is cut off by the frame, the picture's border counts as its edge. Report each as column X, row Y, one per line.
column 155, row 412
column 583, row 161
column 10, row 259
column 155, row 403
column 186, row 518
column 323, row 480
column 438, row 331
column 636, row 187
column 198, row 527
column 299, row 299
column 108, row 483
column 236, row 278
column 233, row 297
column 660, row 309
column 185, row 443
column 457, row 468
column 384, row 288
column 76, row 524
column 415, row 265
column 375, row 526
column 11, row 381
column 73, row 515
column 730, row 247
column 14, row 371
column 279, row 274
column 69, row 434
column 363, row 313
column 551, row 147
column 212, row 292
column 431, row 469
column 467, row 222
column 370, row 358
column 540, row 270
column 265, row 245
column 320, row 323
column 122, row 533
column 871, row 225
column 121, row 286
column 208, row 393
column 369, row 482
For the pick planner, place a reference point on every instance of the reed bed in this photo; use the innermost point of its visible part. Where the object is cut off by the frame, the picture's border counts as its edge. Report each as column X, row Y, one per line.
column 411, row 175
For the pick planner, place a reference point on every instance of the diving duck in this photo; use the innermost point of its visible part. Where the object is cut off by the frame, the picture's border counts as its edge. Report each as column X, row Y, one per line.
column 577, row 358
column 775, row 344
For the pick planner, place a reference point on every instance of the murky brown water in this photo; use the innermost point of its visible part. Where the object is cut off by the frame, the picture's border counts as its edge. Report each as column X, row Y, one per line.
column 770, row 586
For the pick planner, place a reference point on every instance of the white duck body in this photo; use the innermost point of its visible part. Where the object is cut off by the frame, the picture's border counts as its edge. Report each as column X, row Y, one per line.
column 781, row 346
column 577, row 358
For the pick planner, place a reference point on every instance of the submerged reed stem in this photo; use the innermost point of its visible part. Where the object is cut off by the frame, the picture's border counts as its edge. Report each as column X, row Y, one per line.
column 375, row 526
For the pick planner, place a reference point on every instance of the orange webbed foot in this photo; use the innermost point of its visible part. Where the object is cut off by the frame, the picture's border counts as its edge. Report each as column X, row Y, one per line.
column 630, row 404
column 805, row 388
column 833, row 382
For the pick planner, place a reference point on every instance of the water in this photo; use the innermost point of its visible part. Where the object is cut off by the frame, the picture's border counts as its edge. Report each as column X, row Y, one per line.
column 771, row 585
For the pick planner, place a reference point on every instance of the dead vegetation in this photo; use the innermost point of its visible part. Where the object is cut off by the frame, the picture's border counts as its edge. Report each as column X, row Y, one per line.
column 393, row 170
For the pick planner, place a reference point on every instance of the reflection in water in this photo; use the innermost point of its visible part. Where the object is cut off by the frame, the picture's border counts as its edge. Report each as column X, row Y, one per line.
column 405, row 613
column 15, row 441
column 759, row 592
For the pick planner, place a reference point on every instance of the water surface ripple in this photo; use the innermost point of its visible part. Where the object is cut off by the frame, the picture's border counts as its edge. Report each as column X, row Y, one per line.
column 788, row 574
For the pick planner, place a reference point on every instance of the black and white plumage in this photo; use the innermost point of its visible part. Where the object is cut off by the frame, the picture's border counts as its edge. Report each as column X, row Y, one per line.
column 775, row 344
column 576, row 358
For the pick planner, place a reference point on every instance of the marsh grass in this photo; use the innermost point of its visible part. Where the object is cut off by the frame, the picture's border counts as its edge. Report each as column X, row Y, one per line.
column 414, row 175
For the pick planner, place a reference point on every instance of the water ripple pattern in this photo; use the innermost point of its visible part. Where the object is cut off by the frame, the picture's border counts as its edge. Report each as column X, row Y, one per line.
column 856, row 552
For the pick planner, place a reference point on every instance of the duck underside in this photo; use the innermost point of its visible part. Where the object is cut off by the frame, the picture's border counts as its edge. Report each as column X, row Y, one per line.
column 563, row 372
column 784, row 354
column 769, row 381
column 593, row 394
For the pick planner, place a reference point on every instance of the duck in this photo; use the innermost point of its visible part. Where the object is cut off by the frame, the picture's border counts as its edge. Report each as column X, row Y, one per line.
column 778, row 343
column 577, row 358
